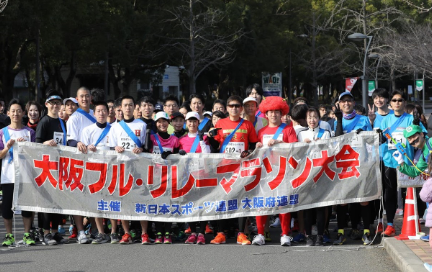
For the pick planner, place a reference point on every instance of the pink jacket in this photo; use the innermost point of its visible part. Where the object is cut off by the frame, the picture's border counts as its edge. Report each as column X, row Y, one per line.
column 426, row 196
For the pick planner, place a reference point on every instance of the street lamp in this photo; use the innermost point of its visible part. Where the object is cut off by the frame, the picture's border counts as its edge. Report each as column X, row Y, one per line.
column 376, row 56
column 358, row 37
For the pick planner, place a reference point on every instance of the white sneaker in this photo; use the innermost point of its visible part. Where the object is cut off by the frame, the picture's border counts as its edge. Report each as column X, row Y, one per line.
column 285, row 240
column 276, row 223
column 258, row 240
column 82, row 238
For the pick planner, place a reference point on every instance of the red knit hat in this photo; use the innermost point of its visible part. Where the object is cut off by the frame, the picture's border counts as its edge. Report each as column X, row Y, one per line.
column 274, row 103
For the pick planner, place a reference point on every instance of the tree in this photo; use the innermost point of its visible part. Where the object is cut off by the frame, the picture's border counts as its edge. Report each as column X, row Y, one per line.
column 201, row 36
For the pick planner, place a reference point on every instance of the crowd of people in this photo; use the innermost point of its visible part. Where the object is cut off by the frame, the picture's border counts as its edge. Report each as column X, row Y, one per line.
column 238, row 125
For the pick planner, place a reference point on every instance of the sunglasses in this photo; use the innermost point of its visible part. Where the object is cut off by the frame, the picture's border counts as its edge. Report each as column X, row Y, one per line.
column 397, row 100
column 56, row 103
column 234, row 105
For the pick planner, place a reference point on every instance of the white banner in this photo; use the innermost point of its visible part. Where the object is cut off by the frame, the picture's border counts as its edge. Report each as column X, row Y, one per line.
column 285, row 178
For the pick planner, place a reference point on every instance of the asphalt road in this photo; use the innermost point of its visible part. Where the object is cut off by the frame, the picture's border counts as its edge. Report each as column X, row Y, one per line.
column 180, row 257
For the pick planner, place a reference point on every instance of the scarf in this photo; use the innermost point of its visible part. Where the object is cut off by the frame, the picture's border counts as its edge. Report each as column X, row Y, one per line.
column 350, row 115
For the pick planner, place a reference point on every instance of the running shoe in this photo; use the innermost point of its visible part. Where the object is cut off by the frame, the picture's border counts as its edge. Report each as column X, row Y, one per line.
column 219, row 239
column 61, row 230
column 101, row 238
column 28, row 239
column 425, row 238
column 355, row 234
column 167, row 238
column 191, row 239
column 242, row 239
column 114, row 238
column 390, row 231
column 60, row 239
column 49, row 240
column 285, row 240
column 181, row 236
column 200, row 239
column 159, row 238
column 8, row 240
column 380, row 227
column 82, row 238
column 74, row 234
column 319, row 241
column 276, row 223
column 367, row 239
column 267, row 236
column 326, row 237
column 188, row 230
column 428, row 267
column 208, row 230
column 145, row 240
column 299, row 238
column 259, row 240
column 310, row 241
column 340, row 239
column 126, row 239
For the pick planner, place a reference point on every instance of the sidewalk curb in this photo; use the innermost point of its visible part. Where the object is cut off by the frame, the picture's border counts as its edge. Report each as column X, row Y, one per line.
column 402, row 256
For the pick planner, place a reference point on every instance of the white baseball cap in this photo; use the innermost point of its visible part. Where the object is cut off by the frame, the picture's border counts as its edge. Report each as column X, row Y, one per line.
column 192, row 114
column 161, row 114
column 71, row 99
column 208, row 113
column 248, row 99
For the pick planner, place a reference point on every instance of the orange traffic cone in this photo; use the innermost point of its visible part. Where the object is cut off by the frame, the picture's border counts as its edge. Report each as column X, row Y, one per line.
column 410, row 225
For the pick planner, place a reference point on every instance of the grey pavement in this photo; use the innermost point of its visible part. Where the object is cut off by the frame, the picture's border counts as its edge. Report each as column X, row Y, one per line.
column 180, row 257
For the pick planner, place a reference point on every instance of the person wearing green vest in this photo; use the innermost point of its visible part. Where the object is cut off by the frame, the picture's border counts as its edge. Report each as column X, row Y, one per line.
column 414, row 135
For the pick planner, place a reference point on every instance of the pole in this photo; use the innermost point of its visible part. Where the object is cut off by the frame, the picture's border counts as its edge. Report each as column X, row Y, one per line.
column 414, row 87
column 364, row 79
column 424, row 90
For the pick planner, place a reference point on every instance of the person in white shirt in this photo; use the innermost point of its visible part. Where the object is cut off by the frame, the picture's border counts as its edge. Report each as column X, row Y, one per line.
column 129, row 135
column 80, row 119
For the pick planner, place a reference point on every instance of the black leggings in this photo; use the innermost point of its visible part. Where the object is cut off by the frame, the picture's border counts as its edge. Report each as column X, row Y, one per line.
column 320, row 217
column 390, row 192
column 193, row 226
column 51, row 221
column 7, row 213
column 163, row 227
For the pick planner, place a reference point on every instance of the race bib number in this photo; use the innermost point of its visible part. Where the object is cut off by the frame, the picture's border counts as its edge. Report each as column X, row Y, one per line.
column 357, row 141
column 127, row 143
column 267, row 138
column 398, row 136
column 58, row 137
column 156, row 149
column 234, row 148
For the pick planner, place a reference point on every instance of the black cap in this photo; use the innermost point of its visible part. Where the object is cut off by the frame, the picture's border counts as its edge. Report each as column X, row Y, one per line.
column 177, row 114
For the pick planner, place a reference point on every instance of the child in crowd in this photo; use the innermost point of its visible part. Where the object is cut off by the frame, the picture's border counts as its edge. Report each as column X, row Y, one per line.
column 164, row 144
column 314, row 133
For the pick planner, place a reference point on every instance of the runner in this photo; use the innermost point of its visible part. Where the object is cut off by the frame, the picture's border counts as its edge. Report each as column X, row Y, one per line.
column 314, row 133
column 16, row 131
column 111, row 114
column 71, row 105
column 348, row 121
column 80, row 119
column 274, row 133
column 250, row 106
column 197, row 104
column 233, row 135
column 51, row 131
column 95, row 137
column 178, row 122
column 129, row 135
column 195, row 142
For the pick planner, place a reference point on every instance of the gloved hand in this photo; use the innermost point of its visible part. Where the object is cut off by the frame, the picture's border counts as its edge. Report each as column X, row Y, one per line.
column 359, row 130
column 338, row 113
column 165, row 154
column 201, row 135
column 398, row 157
column 245, row 153
column 182, row 152
column 213, row 132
